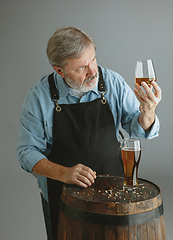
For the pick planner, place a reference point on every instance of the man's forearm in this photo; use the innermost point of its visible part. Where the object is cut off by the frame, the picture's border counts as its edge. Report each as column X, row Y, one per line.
column 49, row 169
column 79, row 174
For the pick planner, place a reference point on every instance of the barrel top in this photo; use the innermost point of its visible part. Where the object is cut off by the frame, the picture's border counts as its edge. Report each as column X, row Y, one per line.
column 109, row 189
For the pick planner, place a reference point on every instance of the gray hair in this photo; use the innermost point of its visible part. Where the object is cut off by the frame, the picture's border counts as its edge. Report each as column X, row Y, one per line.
column 67, row 43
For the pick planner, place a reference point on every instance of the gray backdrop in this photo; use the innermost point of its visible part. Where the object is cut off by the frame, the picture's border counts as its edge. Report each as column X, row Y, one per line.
column 124, row 31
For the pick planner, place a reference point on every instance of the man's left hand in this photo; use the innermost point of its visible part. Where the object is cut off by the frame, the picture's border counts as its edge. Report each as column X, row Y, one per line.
column 148, row 103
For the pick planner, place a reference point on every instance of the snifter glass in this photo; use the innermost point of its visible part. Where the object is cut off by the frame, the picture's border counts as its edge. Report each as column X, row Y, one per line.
column 145, row 72
column 131, row 154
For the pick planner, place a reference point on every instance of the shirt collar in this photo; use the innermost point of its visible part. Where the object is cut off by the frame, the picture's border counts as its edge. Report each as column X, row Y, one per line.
column 64, row 89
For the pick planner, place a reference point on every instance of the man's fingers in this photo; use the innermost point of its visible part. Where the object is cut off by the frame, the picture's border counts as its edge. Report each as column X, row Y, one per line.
column 156, row 97
column 144, row 95
column 80, row 183
column 85, row 180
column 88, row 175
column 149, row 93
column 141, row 97
column 89, row 172
column 158, row 91
column 84, row 176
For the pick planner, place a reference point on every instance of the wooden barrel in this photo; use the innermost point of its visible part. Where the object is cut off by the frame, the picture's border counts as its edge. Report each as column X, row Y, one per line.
column 106, row 211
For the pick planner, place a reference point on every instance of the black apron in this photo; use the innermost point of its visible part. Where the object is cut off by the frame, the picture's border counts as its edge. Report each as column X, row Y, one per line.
column 82, row 133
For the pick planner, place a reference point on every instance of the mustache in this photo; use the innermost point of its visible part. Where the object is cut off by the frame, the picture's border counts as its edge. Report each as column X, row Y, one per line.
column 91, row 78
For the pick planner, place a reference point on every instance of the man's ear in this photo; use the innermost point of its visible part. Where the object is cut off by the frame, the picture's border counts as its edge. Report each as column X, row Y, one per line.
column 59, row 71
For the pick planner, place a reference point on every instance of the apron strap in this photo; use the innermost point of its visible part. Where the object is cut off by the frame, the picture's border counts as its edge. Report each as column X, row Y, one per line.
column 101, row 83
column 54, row 91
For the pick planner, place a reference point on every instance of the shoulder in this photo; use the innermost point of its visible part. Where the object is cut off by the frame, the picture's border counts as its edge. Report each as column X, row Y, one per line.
column 114, row 82
column 112, row 78
column 38, row 96
column 40, row 89
column 40, row 86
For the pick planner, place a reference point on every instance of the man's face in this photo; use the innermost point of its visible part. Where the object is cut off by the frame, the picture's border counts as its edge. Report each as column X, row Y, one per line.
column 82, row 73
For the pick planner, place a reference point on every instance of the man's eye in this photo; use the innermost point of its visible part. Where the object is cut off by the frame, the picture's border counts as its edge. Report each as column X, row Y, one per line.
column 94, row 59
column 81, row 68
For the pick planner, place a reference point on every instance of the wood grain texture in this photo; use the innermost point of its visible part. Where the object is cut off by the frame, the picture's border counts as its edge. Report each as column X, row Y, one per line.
column 107, row 197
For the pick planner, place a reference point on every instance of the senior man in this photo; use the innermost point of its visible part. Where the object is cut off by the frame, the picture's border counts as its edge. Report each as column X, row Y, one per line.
column 70, row 120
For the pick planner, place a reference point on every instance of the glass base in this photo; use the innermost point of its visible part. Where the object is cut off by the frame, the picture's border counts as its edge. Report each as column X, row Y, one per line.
column 129, row 188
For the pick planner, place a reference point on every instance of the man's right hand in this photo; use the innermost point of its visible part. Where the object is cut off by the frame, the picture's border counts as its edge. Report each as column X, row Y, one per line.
column 80, row 175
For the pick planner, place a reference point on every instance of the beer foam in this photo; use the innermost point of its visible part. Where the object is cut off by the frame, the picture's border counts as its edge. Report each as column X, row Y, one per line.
column 131, row 149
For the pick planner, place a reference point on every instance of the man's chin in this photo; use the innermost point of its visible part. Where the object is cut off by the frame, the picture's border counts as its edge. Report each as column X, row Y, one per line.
column 90, row 85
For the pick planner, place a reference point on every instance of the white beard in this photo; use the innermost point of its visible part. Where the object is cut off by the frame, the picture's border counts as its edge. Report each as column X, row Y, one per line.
column 82, row 87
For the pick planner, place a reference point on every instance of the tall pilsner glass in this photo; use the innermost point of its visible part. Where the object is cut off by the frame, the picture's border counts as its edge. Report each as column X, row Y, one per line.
column 131, row 154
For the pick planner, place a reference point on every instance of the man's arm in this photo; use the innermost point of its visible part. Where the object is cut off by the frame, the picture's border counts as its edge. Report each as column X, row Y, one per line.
column 79, row 174
column 148, row 103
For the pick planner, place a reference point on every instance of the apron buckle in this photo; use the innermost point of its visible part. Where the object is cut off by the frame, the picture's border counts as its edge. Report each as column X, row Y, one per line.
column 58, row 108
column 103, row 100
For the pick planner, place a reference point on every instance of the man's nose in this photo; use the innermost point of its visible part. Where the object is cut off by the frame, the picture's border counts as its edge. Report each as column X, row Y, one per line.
column 90, row 71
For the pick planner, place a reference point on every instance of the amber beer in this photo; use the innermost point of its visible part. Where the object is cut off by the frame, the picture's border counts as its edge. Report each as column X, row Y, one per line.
column 147, row 80
column 131, row 157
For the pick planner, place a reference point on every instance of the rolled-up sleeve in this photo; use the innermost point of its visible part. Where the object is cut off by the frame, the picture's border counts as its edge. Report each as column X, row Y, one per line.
column 139, row 132
column 31, row 139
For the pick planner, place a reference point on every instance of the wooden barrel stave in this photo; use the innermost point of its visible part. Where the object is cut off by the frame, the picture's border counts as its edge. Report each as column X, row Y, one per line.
column 160, row 228
column 70, row 228
column 76, row 229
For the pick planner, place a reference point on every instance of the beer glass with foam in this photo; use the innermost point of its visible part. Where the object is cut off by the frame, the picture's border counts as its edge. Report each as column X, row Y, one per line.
column 131, row 154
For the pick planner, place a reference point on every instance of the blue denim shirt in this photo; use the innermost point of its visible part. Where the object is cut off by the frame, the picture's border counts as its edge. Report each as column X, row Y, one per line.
column 36, row 122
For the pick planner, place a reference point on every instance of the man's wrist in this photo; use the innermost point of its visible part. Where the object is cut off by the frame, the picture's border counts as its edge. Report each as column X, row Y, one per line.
column 146, row 123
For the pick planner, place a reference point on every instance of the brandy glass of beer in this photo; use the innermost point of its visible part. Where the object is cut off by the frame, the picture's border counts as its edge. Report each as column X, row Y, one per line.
column 131, row 154
column 145, row 72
